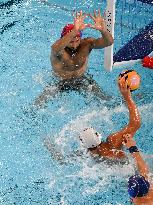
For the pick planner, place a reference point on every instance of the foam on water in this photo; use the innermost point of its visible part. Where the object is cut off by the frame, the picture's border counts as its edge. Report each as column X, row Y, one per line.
column 88, row 169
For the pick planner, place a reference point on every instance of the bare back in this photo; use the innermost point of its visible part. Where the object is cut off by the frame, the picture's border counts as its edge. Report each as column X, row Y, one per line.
column 146, row 200
column 113, row 145
column 69, row 64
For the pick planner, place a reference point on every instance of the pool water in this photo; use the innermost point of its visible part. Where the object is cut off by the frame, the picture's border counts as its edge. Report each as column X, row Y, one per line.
column 30, row 174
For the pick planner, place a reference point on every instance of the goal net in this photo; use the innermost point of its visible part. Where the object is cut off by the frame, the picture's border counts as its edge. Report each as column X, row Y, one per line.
column 130, row 22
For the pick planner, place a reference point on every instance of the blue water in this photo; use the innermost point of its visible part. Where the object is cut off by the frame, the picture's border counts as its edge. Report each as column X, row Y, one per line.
column 29, row 173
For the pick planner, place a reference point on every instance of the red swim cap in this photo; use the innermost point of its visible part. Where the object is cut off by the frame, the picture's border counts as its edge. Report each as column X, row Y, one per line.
column 68, row 28
column 148, row 62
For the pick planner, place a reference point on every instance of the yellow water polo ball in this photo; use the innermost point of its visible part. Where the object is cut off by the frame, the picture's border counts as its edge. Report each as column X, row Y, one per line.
column 132, row 79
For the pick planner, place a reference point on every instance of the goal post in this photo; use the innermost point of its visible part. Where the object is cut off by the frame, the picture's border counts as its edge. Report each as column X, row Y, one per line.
column 133, row 32
column 110, row 21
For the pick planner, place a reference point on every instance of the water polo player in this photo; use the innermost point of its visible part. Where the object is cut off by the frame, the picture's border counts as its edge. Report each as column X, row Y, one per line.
column 69, row 55
column 112, row 147
column 139, row 188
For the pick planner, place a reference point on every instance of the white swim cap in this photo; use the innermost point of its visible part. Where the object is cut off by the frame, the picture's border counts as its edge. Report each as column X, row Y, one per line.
column 90, row 138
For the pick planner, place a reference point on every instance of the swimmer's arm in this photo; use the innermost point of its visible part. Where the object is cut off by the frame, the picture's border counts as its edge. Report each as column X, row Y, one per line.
column 134, row 116
column 99, row 25
column 104, row 41
column 142, row 166
column 130, row 143
column 115, row 140
column 142, row 200
column 60, row 44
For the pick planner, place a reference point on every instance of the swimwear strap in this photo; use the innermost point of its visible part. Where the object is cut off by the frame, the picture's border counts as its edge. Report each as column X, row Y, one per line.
column 133, row 149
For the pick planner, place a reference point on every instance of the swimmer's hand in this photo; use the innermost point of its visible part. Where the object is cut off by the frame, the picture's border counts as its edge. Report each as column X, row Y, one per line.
column 79, row 24
column 99, row 22
column 128, row 141
column 124, row 89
